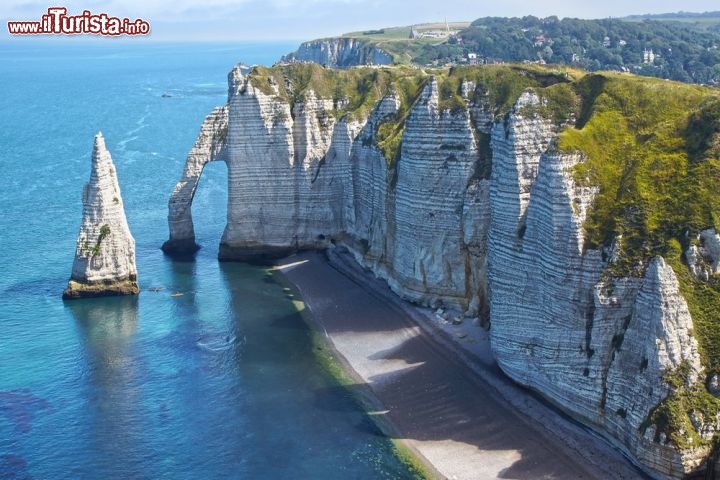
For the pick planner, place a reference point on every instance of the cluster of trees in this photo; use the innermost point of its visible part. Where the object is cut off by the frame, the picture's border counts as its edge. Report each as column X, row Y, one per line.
column 680, row 51
column 448, row 52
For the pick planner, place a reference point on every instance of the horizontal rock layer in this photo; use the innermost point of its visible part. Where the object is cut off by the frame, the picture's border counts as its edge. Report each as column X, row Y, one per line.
column 474, row 213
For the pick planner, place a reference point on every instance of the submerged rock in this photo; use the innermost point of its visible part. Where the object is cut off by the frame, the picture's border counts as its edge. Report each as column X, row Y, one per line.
column 105, row 252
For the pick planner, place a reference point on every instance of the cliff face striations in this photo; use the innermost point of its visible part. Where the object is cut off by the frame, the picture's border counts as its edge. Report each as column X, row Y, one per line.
column 105, row 252
column 341, row 52
column 468, row 190
column 597, row 346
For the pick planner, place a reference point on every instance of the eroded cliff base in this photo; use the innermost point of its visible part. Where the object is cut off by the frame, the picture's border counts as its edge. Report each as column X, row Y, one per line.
column 265, row 254
column 182, row 249
column 111, row 288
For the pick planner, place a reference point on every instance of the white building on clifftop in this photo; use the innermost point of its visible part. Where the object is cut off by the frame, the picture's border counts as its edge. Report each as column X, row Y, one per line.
column 648, row 56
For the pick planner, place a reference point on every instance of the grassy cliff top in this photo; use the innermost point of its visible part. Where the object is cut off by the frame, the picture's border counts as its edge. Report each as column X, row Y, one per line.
column 358, row 89
column 651, row 147
column 355, row 91
column 405, row 50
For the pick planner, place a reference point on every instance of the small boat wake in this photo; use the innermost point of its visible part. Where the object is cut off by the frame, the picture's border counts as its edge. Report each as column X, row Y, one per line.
column 217, row 342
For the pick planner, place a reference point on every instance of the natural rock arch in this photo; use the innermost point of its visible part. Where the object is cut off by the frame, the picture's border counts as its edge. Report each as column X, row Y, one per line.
column 210, row 145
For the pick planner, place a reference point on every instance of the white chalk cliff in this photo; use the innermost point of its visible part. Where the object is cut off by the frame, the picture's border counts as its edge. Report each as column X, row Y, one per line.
column 341, row 52
column 105, row 252
column 449, row 224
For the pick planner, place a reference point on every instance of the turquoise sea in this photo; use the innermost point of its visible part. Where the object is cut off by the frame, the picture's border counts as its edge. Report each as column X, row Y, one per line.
column 209, row 372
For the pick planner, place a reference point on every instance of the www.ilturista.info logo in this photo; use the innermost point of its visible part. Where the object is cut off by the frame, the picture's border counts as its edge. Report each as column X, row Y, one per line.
column 57, row 21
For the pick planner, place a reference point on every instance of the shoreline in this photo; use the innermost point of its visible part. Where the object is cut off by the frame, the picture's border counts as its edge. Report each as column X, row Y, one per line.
column 432, row 386
column 342, row 371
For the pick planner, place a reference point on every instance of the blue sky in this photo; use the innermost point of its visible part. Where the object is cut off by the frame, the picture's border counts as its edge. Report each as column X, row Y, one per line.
column 208, row 20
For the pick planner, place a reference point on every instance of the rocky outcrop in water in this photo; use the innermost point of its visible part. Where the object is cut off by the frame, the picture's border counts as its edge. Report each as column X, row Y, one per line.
column 477, row 212
column 105, row 252
column 341, row 52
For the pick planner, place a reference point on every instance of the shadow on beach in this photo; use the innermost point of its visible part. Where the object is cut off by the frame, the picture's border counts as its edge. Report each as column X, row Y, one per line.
column 427, row 394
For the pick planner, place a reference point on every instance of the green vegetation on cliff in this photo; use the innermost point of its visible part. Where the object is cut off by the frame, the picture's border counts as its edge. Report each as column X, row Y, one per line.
column 656, row 170
column 95, row 249
column 388, row 135
column 356, row 91
column 674, row 416
column 651, row 148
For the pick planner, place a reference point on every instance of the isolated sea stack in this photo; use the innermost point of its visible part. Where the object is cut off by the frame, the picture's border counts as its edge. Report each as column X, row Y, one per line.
column 105, row 253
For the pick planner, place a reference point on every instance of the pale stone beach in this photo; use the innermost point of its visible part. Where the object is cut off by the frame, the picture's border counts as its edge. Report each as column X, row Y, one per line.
column 452, row 407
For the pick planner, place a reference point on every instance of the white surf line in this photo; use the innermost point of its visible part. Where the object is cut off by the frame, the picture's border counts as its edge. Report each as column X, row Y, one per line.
column 288, row 265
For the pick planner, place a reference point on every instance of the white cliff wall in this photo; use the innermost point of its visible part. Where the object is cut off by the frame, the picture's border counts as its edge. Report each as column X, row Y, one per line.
column 261, row 190
column 437, row 159
column 596, row 347
column 446, row 229
column 305, row 151
column 366, row 207
column 339, row 53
